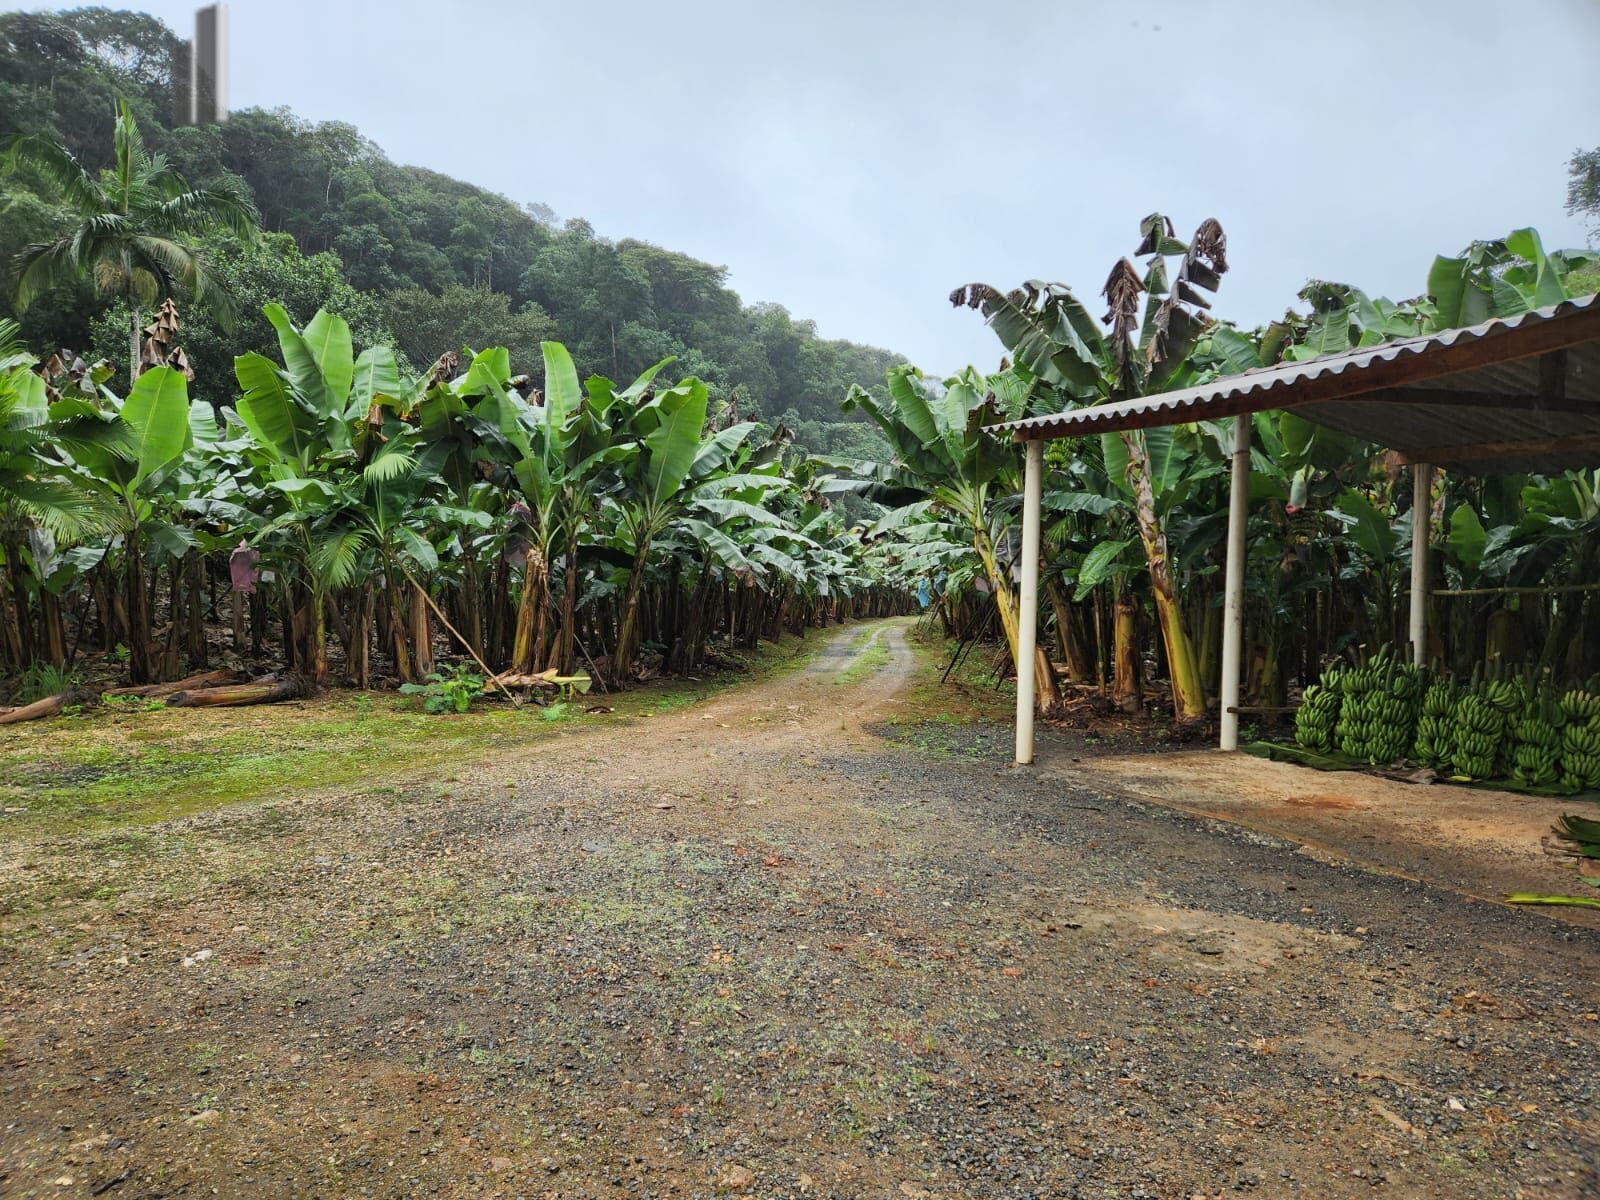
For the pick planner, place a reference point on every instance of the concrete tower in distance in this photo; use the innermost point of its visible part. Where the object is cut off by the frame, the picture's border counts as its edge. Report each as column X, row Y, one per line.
column 200, row 70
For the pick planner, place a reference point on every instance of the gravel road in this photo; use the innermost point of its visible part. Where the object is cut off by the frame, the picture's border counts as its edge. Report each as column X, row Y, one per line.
column 782, row 943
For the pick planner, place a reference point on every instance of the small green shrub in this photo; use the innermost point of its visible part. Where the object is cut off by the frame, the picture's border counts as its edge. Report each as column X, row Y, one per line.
column 135, row 703
column 446, row 692
column 41, row 680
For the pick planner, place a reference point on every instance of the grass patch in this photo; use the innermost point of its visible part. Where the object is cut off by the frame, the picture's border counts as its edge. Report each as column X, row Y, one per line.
column 132, row 765
column 868, row 662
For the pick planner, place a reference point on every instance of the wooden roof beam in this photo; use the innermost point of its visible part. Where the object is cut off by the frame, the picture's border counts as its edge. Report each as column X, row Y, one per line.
column 1448, row 398
column 1443, row 456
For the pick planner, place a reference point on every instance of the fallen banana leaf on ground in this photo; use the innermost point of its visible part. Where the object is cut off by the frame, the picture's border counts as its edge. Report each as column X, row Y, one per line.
column 1579, row 829
column 1582, row 833
column 1281, row 752
column 1540, row 898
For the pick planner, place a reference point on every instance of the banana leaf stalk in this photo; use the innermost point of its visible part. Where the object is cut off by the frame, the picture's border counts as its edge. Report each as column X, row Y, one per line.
column 1541, row 898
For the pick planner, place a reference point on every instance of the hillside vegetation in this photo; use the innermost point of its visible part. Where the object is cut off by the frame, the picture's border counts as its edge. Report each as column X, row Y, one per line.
column 408, row 256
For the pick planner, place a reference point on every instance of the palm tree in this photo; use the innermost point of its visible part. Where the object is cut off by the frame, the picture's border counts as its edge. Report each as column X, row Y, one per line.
column 134, row 231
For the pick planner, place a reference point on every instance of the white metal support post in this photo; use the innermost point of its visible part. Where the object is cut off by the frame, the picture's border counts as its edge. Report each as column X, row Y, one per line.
column 1421, row 520
column 1233, row 588
column 1028, row 598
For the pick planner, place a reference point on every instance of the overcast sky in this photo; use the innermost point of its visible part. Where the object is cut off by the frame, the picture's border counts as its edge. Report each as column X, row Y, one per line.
column 856, row 161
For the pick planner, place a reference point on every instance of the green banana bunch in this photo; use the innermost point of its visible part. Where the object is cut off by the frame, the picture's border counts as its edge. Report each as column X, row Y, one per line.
column 1582, row 704
column 1479, row 727
column 1350, row 732
column 1318, row 714
column 1436, row 725
column 1379, row 702
column 1536, row 738
column 1580, row 739
column 1394, row 708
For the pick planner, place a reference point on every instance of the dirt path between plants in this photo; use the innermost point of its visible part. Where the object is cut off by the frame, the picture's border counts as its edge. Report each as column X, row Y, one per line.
column 776, row 945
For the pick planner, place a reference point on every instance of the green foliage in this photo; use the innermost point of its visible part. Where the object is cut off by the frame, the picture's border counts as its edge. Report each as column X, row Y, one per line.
column 447, row 691
column 427, row 325
column 42, row 680
column 451, row 265
column 1583, row 188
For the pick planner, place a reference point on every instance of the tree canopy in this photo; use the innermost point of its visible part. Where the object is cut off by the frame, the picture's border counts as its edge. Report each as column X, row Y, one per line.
column 452, row 264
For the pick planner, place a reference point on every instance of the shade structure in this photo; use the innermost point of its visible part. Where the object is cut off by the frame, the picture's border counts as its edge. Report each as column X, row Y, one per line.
column 1512, row 395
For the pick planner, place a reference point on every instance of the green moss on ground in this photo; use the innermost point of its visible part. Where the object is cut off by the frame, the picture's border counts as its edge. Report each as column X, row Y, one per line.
column 119, row 765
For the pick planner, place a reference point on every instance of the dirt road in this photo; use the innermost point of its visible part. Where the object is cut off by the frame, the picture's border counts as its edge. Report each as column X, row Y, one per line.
column 776, row 944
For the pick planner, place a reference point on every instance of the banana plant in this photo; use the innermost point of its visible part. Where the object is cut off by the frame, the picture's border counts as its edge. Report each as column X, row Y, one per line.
column 945, row 463
column 664, row 438
column 1050, row 332
column 136, row 468
column 47, row 500
column 346, row 471
column 581, row 441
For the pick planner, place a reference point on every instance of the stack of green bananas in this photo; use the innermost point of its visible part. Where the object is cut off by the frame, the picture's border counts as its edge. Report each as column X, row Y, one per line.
column 1536, row 738
column 1436, row 725
column 1480, row 727
column 1393, row 708
column 1580, row 739
column 1378, row 713
column 1354, row 729
column 1318, row 714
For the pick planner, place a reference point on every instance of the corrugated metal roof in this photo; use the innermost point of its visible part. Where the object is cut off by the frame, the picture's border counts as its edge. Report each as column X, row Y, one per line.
column 1493, row 394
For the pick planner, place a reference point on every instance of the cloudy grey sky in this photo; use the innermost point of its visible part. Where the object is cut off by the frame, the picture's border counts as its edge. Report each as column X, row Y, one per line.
column 856, row 161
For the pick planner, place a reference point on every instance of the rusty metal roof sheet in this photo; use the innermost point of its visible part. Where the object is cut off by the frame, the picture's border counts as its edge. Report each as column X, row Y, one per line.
column 1509, row 395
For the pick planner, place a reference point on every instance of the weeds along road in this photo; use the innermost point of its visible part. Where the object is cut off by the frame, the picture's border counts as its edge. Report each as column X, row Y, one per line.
column 778, row 943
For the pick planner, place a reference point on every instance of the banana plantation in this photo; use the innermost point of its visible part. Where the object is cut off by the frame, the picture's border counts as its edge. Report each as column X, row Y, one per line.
column 345, row 508
column 349, row 518
column 1134, row 522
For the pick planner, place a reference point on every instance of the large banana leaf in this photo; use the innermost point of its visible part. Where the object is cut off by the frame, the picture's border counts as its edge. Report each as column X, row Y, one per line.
column 157, row 410
column 1467, row 539
column 1099, row 565
column 715, row 452
column 328, row 339
column 562, row 397
column 911, row 406
column 268, row 411
column 300, row 363
column 1166, row 454
column 376, row 374
column 1369, row 529
column 1546, row 287
column 672, row 445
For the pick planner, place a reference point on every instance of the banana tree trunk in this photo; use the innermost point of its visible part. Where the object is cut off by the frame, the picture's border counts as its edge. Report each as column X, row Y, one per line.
column 133, row 346
column 1125, row 690
column 139, row 668
column 471, row 602
column 528, row 644
column 397, row 632
column 19, row 594
column 1188, row 692
column 1047, row 690
column 1067, row 634
column 195, row 641
column 421, row 633
column 627, row 631
column 569, row 611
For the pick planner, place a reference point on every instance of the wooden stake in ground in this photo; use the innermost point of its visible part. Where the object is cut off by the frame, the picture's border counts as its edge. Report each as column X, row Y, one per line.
column 445, row 621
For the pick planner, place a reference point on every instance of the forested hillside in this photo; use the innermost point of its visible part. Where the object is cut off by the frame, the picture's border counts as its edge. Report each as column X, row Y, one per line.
column 407, row 255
